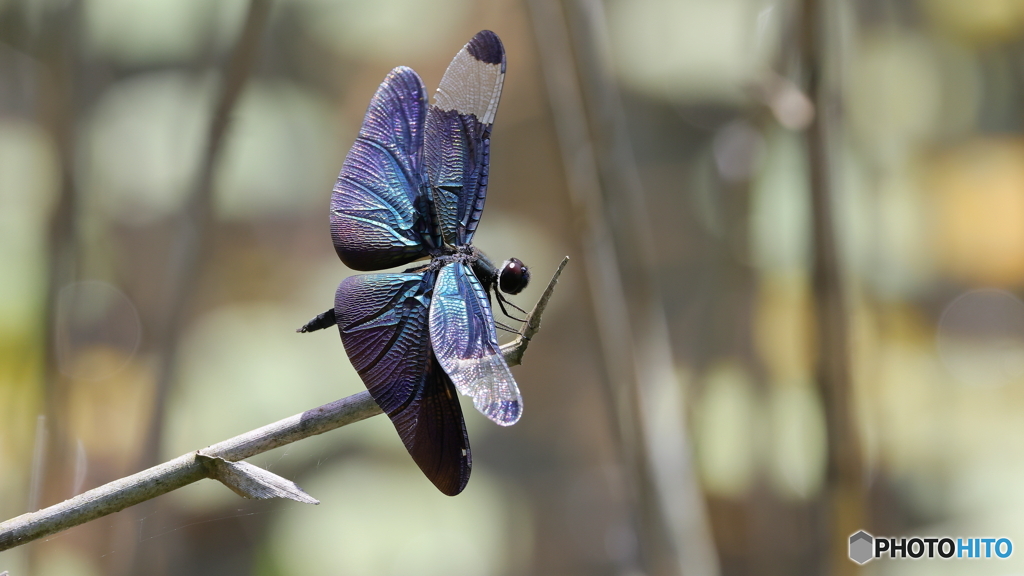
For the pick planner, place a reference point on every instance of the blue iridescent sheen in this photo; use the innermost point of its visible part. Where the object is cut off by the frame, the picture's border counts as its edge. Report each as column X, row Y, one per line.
column 457, row 156
column 383, row 319
column 379, row 217
column 413, row 186
column 466, row 344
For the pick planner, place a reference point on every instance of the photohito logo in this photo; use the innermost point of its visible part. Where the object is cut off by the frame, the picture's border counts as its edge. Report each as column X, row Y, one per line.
column 860, row 547
column 864, row 547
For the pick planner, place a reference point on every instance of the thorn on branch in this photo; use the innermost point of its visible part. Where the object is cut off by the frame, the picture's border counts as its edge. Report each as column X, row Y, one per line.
column 514, row 350
column 249, row 481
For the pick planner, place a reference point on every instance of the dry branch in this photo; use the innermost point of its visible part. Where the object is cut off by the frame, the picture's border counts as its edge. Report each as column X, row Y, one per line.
column 216, row 461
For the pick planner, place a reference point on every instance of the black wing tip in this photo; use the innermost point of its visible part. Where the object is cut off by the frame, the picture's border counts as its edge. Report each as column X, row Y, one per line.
column 446, row 487
column 487, row 47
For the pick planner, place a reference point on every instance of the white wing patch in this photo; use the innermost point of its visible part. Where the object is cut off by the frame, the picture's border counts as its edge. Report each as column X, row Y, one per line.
column 470, row 86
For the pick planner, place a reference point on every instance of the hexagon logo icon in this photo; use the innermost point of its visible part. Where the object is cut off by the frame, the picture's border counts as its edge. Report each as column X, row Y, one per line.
column 861, row 544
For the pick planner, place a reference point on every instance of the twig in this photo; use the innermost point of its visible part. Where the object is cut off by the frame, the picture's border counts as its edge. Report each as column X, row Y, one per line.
column 181, row 471
column 515, row 349
column 215, row 461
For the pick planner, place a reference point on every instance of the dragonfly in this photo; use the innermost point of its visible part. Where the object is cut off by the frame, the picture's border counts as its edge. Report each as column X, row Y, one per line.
column 412, row 188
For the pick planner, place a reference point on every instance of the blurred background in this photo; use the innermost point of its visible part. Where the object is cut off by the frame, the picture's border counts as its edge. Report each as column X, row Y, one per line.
column 792, row 311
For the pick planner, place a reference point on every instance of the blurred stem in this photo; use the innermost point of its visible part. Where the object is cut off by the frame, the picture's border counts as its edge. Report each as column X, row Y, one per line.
column 635, row 347
column 194, row 230
column 63, row 234
column 189, row 468
column 677, row 490
column 192, row 242
column 59, row 99
column 846, row 499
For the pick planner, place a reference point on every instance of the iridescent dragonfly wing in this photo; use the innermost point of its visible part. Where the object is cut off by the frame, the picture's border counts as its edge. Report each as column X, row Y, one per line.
column 466, row 344
column 457, row 146
column 379, row 212
column 383, row 319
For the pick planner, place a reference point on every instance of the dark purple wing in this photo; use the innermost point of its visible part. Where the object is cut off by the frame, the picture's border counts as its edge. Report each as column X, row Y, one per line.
column 466, row 345
column 383, row 320
column 457, row 147
column 379, row 212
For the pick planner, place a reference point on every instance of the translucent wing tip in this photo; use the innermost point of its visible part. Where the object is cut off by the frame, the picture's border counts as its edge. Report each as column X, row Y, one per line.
column 502, row 413
column 397, row 70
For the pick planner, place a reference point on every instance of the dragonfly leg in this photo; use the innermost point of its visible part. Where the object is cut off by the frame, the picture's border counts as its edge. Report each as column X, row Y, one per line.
column 501, row 303
column 505, row 327
column 513, row 304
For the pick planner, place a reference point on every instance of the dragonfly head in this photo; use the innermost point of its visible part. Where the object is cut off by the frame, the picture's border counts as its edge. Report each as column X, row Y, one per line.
column 513, row 277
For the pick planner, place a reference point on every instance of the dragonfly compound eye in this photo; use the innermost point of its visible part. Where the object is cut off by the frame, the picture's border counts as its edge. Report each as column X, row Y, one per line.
column 514, row 276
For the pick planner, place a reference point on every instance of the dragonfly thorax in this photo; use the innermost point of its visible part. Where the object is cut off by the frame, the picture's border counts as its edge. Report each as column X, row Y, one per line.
column 466, row 254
